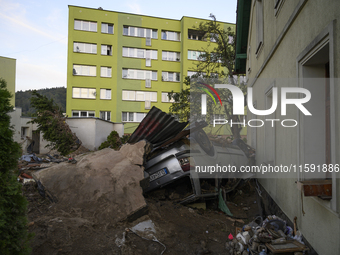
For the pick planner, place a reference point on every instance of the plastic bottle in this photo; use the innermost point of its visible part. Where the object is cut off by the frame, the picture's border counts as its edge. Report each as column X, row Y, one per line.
column 263, row 252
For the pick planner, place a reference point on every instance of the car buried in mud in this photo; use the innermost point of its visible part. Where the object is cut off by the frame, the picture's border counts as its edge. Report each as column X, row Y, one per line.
column 188, row 153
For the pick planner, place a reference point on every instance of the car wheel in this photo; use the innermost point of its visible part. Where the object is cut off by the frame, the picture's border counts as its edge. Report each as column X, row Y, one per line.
column 203, row 140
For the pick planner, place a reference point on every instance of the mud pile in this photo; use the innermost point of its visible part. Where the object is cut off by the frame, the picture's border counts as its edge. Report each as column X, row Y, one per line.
column 104, row 186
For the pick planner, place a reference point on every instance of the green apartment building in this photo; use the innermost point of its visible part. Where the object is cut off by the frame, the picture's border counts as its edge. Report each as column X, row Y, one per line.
column 122, row 64
column 7, row 72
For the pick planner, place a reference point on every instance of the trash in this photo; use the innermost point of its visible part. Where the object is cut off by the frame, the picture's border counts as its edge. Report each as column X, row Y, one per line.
column 263, row 252
column 202, row 205
column 120, row 242
column 145, row 229
column 258, row 237
column 222, row 205
column 31, row 158
column 230, row 237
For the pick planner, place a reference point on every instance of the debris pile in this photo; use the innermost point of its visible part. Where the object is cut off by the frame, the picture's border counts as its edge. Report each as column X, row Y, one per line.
column 104, row 185
column 268, row 237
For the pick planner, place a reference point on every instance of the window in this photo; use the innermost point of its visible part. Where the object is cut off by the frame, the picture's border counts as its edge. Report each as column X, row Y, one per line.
column 169, row 76
column 85, row 25
column 88, row 93
column 85, row 114
column 214, row 75
column 24, row 132
column 191, row 73
column 139, row 53
column 133, row 116
column 107, row 28
column 85, row 47
column 140, row 32
column 196, row 35
column 171, row 56
column 84, row 70
column 105, row 93
column 105, row 71
column 105, row 115
column 139, row 74
column 171, row 36
column 259, row 26
column 130, row 95
column 165, row 98
column 107, row 50
column 194, row 55
column 213, row 37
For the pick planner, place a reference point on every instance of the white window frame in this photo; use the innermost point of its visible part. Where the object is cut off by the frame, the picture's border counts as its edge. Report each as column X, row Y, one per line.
column 165, row 98
column 166, row 34
column 105, row 28
column 137, row 74
column 90, row 93
column 105, row 94
column 88, row 114
column 82, row 25
column 105, row 48
column 133, row 53
column 191, row 73
column 84, row 70
column 141, row 96
column 137, row 31
column 171, row 56
column 166, row 76
column 133, row 116
column 105, row 115
column 194, row 54
column 80, row 47
column 105, row 71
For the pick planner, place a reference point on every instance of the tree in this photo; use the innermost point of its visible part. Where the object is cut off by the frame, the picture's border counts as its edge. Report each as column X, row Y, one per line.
column 216, row 58
column 14, row 236
column 52, row 124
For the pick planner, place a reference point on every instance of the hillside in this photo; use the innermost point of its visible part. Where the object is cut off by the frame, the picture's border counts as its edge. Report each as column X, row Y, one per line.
column 22, row 99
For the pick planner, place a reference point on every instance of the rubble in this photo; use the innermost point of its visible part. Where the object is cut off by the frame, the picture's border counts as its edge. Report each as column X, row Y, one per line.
column 271, row 235
column 103, row 184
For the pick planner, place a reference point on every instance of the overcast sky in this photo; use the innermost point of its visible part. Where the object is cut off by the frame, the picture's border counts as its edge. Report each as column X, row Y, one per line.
column 34, row 32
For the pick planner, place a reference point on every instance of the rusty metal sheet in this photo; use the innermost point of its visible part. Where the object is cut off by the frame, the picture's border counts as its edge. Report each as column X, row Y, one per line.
column 157, row 127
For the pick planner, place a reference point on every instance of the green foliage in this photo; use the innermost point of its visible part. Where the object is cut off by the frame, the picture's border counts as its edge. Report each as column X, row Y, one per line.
column 125, row 138
column 113, row 141
column 23, row 99
column 52, row 123
column 9, row 150
column 217, row 58
column 14, row 236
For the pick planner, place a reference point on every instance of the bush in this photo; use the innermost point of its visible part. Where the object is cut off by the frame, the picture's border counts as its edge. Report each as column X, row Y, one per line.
column 14, row 235
column 113, row 141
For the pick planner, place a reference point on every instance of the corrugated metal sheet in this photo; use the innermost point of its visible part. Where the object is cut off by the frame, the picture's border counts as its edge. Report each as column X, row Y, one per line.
column 157, row 127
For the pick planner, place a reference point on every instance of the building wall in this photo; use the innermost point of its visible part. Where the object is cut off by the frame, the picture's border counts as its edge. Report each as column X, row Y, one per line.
column 116, row 83
column 289, row 36
column 92, row 132
column 7, row 72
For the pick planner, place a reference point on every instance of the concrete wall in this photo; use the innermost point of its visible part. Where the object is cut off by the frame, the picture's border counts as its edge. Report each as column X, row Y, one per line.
column 290, row 37
column 93, row 131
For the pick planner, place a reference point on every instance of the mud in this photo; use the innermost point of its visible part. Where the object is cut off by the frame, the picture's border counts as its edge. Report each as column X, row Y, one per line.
column 179, row 228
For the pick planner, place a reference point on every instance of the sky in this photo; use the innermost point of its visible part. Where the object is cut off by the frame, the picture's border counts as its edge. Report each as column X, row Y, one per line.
column 35, row 32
